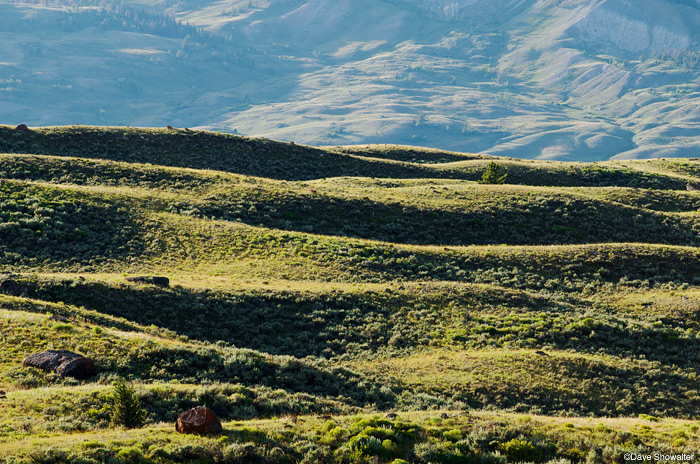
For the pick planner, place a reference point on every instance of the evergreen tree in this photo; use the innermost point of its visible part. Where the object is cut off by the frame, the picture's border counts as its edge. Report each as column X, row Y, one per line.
column 126, row 406
column 494, row 174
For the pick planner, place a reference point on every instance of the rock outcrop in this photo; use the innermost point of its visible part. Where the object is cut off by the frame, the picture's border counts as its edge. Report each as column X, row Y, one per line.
column 155, row 280
column 63, row 362
column 198, row 421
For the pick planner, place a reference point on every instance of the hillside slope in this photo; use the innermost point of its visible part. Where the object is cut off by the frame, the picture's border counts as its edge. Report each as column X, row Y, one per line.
column 523, row 314
column 577, row 80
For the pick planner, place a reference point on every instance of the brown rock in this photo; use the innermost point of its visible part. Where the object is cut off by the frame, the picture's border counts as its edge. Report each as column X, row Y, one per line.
column 79, row 368
column 22, row 128
column 692, row 186
column 198, row 421
column 63, row 362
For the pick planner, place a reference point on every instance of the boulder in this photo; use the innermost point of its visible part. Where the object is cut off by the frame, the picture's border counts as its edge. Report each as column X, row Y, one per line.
column 22, row 128
column 692, row 186
column 199, row 421
column 63, row 362
column 79, row 368
column 159, row 281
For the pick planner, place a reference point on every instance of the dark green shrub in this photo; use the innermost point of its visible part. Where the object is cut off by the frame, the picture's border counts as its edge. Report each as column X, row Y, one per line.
column 444, row 453
column 48, row 456
column 365, row 445
column 130, row 455
column 574, row 455
column 493, row 174
column 520, row 451
column 452, row 435
column 126, row 406
column 244, row 453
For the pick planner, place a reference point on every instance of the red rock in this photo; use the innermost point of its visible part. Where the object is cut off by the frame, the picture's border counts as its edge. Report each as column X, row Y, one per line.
column 199, row 421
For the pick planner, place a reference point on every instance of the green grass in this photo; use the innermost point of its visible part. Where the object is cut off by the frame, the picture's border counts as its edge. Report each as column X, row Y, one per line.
column 477, row 437
column 564, row 383
column 297, row 292
column 199, row 150
column 278, row 160
column 414, row 211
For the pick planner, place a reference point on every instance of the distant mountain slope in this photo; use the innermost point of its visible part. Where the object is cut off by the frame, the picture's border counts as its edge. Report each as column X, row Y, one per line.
column 119, row 65
column 553, row 79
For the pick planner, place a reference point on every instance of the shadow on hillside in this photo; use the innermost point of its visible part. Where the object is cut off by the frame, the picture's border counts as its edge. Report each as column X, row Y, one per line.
column 509, row 218
column 336, row 323
column 46, row 227
column 287, row 161
column 578, row 386
column 281, row 324
column 100, row 172
column 587, row 175
column 228, row 365
column 409, row 154
column 284, row 323
column 559, row 270
column 331, row 324
column 201, row 150
column 661, row 343
column 524, row 220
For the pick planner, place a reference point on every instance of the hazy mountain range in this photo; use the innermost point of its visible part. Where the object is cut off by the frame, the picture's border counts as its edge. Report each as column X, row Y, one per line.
column 556, row 79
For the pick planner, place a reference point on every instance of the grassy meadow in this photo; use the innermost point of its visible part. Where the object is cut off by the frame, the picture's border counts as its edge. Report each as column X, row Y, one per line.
column 551, row 319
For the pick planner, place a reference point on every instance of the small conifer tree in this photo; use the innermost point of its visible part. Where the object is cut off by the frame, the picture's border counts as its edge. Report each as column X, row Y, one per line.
column 494, row 174
column 126, row 406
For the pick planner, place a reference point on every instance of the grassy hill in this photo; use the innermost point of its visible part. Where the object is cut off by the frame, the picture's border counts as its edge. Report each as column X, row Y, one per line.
column 551, row 319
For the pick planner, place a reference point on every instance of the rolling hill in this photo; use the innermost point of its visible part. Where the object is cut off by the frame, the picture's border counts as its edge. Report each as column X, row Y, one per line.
column 553, row 318
column 575, row 80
